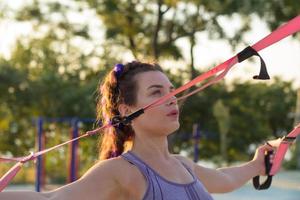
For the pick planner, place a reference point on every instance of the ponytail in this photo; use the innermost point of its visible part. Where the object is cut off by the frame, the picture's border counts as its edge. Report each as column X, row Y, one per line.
column 118, row 87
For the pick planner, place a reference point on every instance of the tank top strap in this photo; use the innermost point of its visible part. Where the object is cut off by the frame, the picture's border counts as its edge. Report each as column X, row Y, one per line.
column 135, row 161
column 143, row 169
column 188, row 169
column 159, row 188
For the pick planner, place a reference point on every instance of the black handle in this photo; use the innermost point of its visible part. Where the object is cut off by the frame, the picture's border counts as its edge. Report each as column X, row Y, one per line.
column 247, row 53
column 267, row 182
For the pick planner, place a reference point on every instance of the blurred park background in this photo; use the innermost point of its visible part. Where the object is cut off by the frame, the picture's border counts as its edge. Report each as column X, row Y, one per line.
column 53, row 54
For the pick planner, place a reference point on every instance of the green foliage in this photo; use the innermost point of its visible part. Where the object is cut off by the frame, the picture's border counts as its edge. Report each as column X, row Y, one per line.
column 152, row 28
column 257, row 112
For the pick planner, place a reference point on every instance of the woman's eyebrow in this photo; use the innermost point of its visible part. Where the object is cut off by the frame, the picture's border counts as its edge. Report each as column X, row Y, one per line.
column 159, row 86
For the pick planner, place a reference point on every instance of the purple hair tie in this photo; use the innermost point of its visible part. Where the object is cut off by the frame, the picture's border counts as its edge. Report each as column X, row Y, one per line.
column 113, row 154
column 118, row 70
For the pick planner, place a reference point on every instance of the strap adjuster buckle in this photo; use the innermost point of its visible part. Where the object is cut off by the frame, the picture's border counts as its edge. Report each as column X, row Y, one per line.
column 288, row 140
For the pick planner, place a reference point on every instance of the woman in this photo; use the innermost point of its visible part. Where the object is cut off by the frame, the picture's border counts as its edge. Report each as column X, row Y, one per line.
column 147, row 171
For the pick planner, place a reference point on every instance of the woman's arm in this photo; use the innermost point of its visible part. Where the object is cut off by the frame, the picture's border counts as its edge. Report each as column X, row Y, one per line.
column 99, row 183
column 239, row 175
column 227, row 179
column 12, row 195
column 236, row 176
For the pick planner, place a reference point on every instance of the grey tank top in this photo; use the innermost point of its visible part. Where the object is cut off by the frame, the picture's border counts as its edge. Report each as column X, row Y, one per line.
column 159, row 188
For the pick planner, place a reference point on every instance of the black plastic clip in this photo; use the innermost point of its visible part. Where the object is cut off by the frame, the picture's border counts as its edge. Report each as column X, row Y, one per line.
column 247, row 53
column 289, row 140
column 127, row 119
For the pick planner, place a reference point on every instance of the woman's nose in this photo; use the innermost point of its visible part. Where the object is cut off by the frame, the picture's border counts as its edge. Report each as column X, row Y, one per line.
column 172, row 101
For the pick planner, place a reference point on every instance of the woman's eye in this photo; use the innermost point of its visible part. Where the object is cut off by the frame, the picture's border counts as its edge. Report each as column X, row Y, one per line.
column 157, row 92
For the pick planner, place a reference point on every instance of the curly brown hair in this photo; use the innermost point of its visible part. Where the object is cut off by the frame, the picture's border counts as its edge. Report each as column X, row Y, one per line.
column 113, row 91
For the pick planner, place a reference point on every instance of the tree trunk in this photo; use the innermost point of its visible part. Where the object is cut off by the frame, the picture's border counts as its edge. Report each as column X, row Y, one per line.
column 156, row 30
column 192, row 68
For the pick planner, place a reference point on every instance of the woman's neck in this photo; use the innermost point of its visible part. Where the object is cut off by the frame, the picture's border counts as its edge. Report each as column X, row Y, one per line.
column 151, row 147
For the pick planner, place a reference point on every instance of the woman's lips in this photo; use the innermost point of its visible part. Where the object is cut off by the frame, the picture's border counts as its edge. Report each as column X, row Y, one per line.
column 173, row 113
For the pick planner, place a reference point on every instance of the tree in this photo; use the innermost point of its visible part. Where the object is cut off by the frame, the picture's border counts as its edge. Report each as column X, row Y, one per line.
column 49, row 74
column 55, row 70
column 221, row 112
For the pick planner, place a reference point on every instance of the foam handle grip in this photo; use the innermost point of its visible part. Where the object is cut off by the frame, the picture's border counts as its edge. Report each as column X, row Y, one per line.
column 268, row 181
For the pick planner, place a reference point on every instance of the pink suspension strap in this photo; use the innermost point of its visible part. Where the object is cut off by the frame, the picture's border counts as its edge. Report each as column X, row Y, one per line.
column 284, row 145
column 289, row 28
column 8, row 176
column 272, row 169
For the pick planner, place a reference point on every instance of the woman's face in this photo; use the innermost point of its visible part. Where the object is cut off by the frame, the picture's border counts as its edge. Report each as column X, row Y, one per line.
column 160, row 120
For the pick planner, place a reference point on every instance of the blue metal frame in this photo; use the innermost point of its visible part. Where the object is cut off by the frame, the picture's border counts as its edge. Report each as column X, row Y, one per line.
column 75, row 133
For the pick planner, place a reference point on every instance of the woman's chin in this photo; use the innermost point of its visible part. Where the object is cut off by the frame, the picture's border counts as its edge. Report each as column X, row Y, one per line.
column 174, row 127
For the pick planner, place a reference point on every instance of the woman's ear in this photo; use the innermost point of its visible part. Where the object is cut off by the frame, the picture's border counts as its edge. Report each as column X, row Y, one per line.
column 124, row 109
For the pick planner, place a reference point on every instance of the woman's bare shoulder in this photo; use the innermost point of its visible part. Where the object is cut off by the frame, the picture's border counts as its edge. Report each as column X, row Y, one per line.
column 117, row 169
column 104, row 178
column 126, row 176
column 113, row 168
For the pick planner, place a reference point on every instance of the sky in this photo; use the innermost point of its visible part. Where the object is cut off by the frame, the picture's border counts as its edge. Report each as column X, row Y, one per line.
column 282, row 58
